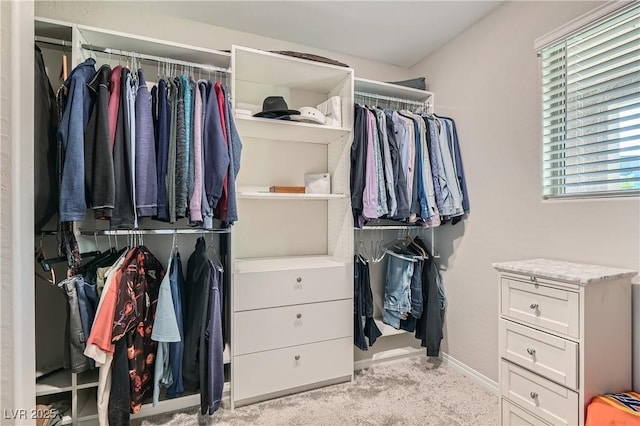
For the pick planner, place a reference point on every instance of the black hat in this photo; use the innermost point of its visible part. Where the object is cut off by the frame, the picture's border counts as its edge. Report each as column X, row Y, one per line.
column 275, row 107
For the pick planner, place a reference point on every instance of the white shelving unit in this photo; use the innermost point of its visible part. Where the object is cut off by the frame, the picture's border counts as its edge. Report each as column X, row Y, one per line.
column 293, row 252
column 388, row 93
column 82, row 42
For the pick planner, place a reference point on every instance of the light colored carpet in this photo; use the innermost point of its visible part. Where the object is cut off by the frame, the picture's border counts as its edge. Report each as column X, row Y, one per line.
column 407, row 392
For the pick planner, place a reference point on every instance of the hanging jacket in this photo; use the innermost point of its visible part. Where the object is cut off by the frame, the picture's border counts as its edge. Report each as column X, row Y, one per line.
column 181, row 150
column 235, row 153
column 115, row 82
column 162, row 150
column 223, row 204
column 195, row 203
column 98, row 152
column 358, row 161
column 399, row 176
column 216, row 153
column 135, row 312
column 146, row 169
column 196, row 298
column 77, row 109
column 44, row 141
column 211, row 396
column 123, row 210
column 457, row 158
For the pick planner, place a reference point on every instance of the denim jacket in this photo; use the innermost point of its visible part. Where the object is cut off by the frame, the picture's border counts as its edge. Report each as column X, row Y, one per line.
column 77, row 109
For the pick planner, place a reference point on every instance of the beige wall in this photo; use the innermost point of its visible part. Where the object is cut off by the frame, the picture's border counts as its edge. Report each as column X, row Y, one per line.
column 487, row 80
column 128, row 18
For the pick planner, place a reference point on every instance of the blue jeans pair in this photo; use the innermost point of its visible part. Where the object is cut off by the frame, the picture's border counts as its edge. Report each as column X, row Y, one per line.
column 397, row 290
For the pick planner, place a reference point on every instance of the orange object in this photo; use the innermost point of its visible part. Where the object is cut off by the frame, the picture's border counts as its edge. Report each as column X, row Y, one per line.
column 620, row 409
column 290, row 189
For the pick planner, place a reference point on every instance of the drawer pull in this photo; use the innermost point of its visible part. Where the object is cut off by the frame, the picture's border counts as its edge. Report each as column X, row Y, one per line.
column 533, row 395
column 533, row 279
column 531, row 351
column 298, row 316
column 297, row 357
column 299, row 279
column 533, row 306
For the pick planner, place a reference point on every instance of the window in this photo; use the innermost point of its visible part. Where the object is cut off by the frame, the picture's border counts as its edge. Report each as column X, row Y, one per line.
column 591, row 109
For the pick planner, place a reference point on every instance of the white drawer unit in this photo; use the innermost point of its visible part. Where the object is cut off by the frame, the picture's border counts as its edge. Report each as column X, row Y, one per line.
column 543, row 353
column 564, row 337
column 302, row 282
column 264, row 373
column 514, row 415
column 266, row 329
column 544, row 398
column 292, row 326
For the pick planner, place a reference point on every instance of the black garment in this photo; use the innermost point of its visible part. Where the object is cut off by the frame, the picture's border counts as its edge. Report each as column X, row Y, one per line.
column 358, row 162
column 98, row 156
column 196, row 299
column 119, row 398
column 163, row 127
column 399, row 178
column 181, row 152
column 363, row 306
column 429, row 325
column 123, row 214
column 45, row 145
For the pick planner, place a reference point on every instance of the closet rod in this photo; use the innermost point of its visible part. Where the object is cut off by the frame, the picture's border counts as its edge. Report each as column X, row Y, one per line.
column 54, row 41
column 154, row 231
column 390, row 98
column 160, row 59
column 391, row 227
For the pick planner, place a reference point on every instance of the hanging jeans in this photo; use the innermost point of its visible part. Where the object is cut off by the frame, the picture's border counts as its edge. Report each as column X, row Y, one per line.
column 76, row 336
column 416, row 299
column 397, row 290
column 88, row 305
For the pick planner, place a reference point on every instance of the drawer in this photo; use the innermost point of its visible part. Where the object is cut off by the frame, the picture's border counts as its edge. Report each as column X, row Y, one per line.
column 551, row 402
column 266, row 289
column 513, row 415
column 550, row 356
column 273, row 328
column 541, row 306
column 274, row 371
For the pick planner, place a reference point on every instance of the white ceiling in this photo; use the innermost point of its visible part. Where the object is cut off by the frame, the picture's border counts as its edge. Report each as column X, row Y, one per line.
column 395, row 32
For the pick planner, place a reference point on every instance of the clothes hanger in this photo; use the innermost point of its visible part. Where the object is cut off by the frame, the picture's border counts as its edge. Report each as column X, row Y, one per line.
column 213, row 255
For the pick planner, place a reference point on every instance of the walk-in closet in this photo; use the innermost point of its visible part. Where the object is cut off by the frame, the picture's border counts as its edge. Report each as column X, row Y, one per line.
column 319, row 212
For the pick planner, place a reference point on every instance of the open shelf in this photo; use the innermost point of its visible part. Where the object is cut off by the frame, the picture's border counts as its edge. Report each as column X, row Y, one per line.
column 284, row 263
column 263, row 195
column 59, row 381
column 392, row 90
column 133, row 43
column 386, row 329
column 274, row 69
column 285, row 130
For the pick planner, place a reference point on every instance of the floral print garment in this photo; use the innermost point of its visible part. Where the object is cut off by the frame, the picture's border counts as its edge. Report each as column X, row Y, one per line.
column 135, row 312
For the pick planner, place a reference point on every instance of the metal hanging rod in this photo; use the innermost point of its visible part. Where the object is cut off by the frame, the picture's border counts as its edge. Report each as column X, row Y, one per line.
column 392, row 99
column 54, row 41
column 155, row 231
column 390, row 227
column 160, row 59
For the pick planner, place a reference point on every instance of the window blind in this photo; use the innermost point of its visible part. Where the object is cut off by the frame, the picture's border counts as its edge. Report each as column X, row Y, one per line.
column 591, row 109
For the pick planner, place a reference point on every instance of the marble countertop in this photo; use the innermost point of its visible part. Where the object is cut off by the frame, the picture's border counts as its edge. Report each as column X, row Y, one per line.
column 565, row 271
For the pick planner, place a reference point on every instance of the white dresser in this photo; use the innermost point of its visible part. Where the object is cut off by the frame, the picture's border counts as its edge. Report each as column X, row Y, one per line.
column 564, row 337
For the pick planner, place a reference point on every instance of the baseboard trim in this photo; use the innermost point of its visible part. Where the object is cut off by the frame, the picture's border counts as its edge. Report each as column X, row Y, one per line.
column 388, row 356
column 481, row 379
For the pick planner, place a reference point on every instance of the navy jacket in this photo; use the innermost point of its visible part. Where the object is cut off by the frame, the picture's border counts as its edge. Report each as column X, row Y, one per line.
column 77, row 109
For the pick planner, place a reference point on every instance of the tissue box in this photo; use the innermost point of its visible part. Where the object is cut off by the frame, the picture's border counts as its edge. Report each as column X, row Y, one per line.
column 317, row 183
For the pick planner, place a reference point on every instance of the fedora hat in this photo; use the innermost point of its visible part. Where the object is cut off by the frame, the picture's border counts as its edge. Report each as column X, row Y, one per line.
column 275, row 107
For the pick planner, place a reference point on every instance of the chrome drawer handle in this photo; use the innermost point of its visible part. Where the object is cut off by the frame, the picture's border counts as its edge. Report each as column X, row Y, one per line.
column 533, row 395
column 531, row 351
column 299, row 279
column 298, row 316
column 297, row 357
column 533, row 306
